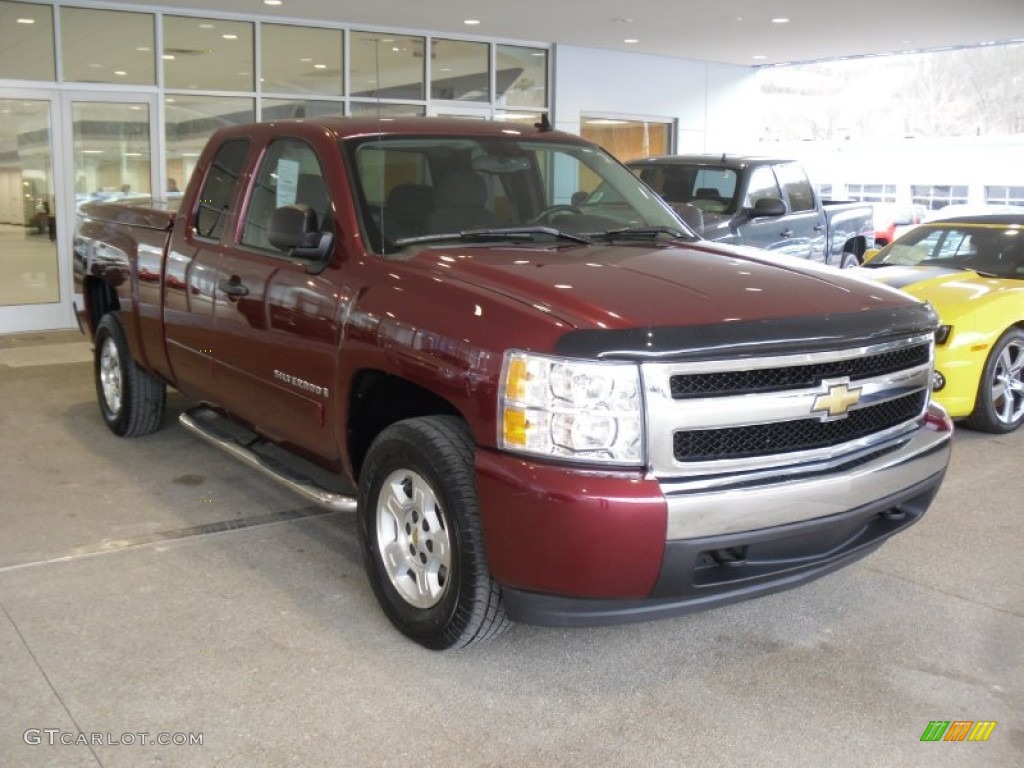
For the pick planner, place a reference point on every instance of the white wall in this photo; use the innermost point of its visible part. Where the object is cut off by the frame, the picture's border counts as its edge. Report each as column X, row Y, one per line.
column 714, row 105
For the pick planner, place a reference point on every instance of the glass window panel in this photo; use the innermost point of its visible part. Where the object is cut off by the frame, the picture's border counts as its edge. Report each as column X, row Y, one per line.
column 459, row 71
column 107, row 46
column 207, row 54
column 628, row 139
column 28, row 269
column 111, row 150
column 301, row 60
column 285, row 109
column 521, row 79
column 526, row 119
column 290, row 174
column 26, row 42
column 386, row 66
column 369, row 108
column 189, row 121
column 220, row 188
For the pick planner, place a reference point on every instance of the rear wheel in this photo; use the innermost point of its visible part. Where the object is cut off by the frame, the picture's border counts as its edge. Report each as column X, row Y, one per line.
column 131, row 399
column 1000, row 404
column 421, row 534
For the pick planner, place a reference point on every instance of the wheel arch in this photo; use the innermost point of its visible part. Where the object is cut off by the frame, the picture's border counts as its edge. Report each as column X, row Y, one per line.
column 99, row 298
column 377, row 400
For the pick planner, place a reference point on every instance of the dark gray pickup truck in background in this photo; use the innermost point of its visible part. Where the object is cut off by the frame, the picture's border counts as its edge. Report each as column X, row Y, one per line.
column 764, row 202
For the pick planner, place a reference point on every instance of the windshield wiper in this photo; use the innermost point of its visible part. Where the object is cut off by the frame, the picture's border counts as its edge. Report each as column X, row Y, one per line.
column 524, row 234
column 641, row 232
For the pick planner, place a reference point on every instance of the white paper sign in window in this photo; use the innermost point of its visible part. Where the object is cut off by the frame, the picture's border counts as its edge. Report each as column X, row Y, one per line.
column 287, row 181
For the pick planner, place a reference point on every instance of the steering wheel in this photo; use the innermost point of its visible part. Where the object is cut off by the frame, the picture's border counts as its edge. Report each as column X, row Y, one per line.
column 546, row 215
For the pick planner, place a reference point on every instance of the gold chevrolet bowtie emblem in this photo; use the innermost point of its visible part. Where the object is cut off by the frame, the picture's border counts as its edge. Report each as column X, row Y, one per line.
column 836, row 402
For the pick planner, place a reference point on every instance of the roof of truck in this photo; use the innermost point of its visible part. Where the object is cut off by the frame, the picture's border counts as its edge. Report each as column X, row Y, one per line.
column 718, row 160
column 347, row 127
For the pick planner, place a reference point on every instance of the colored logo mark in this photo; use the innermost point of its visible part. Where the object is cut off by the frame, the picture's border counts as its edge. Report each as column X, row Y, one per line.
column 958, row 730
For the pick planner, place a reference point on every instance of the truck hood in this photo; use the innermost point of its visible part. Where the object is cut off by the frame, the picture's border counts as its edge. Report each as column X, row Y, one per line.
column 642, row 286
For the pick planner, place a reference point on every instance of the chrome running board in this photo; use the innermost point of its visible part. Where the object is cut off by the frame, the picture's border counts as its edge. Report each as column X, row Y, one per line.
column 202, row 422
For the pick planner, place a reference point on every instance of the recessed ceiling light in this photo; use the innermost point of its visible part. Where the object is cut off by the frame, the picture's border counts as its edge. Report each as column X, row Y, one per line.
column 272, row 2
column 206, row 25
column 120, row 73
column 26, row 21
column 471, row 22
column 168, row 57
column 319, row 66
column 230, row 36
column 622, row 20
column 759, row 57
column 780, row 20
column 631, row 40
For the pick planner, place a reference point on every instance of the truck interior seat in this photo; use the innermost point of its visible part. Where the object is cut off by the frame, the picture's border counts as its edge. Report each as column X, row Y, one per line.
column 311, row 190
column 460, row 203
column 406, row 210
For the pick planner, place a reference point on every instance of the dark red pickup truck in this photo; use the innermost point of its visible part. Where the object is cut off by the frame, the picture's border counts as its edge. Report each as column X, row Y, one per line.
column 540, row 410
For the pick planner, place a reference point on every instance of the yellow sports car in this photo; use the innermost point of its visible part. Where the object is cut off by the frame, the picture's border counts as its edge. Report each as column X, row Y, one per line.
column 971, row 270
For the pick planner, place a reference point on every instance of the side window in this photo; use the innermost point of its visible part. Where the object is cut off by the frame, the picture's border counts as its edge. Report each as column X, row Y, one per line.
column 290, row 174
column 795, row 187
column 219, row 188
column 762, row 184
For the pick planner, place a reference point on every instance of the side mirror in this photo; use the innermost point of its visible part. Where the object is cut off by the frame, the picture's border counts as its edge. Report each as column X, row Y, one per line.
column 293, row 229
column 767, row 206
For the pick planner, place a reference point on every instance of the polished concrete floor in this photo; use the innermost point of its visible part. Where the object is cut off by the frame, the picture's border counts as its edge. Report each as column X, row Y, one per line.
column 154, row 586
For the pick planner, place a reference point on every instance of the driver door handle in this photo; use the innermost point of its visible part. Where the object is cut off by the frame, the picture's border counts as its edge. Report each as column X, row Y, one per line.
column 786, row 233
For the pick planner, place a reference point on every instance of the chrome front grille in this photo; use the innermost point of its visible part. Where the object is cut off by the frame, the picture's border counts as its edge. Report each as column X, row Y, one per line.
column 797, row 412
column 768, row 379
column 796, row 435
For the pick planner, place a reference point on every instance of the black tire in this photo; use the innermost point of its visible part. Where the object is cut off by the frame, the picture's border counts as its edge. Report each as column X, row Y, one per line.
column 131, row 399
column 418, row 503
column 999, row 407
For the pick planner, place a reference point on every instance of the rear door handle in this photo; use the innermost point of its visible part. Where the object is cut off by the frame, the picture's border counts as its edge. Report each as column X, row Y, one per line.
column 233, row 287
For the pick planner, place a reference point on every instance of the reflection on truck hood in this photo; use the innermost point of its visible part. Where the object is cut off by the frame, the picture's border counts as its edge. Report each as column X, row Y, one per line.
column 639, row 286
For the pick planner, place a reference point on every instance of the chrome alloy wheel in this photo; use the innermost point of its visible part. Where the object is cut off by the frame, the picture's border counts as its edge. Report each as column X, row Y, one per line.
column 413, row 539
column 1008, row 384
column 111, row 376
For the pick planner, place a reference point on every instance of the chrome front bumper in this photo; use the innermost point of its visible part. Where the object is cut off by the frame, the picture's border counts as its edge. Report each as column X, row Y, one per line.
column 695, row 511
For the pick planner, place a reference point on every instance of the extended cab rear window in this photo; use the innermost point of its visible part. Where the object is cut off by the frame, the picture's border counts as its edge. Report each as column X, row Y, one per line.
column 220, row 188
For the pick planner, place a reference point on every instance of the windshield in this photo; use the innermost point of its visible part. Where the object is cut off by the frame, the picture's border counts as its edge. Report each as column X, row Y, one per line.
column 710, row 188
column 988, row 249
column 419, row 190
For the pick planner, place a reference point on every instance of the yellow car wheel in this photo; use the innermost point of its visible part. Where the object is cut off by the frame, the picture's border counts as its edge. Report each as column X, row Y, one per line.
column 1000, row 403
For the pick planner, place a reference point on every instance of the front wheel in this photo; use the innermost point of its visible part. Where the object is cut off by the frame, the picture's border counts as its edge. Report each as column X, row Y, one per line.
column 421, row 535
column 1000, row 404
column 131, row 399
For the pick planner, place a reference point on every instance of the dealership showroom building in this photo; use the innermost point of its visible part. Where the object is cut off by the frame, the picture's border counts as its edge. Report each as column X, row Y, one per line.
column 162, row 603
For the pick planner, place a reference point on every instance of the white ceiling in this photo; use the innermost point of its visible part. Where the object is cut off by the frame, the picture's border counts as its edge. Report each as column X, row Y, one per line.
column 730, row 31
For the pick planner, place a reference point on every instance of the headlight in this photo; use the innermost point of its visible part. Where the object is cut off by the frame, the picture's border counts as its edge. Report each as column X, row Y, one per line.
column 942, row 334
column 573, row 409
